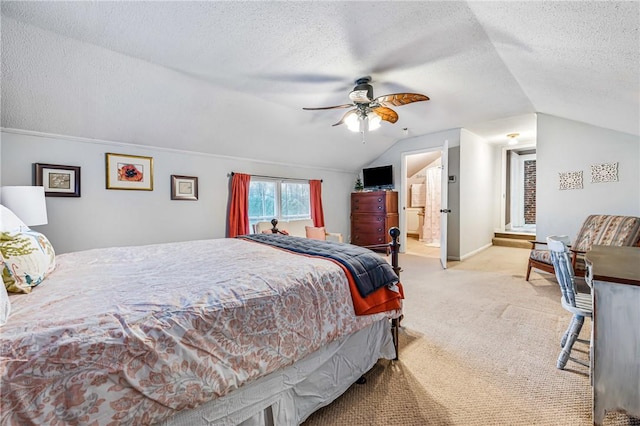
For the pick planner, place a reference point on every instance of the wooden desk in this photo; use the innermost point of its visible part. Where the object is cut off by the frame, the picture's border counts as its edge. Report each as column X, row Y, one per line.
column 615, row 336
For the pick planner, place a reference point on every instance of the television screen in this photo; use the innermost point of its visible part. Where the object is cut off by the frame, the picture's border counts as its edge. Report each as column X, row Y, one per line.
column 378, row 177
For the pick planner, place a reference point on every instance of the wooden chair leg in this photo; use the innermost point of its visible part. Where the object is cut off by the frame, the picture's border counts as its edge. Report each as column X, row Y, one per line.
column 563, row 341
column 576, row 326
column 528, row 271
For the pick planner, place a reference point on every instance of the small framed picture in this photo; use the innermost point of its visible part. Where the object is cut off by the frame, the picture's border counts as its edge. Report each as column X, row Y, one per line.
column 58, row 180
column 129, row 172
column 184, row 188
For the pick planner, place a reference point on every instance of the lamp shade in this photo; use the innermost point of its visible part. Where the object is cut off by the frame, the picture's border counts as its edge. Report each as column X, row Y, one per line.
column 27, row 202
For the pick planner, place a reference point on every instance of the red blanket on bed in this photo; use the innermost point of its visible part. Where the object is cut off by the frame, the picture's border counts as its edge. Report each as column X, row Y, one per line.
column 380, row 300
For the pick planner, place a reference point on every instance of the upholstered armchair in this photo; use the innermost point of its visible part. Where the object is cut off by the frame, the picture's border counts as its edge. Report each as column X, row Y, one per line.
column 606, row 230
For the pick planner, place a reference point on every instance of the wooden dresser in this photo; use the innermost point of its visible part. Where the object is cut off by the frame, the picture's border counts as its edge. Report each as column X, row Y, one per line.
column 614, row 273
column 372, row 214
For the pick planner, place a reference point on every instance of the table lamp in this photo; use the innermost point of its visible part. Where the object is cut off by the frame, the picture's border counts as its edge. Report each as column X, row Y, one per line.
column 27, row 202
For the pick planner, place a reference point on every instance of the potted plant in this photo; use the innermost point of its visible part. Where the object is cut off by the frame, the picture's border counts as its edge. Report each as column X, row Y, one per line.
column 358, row 186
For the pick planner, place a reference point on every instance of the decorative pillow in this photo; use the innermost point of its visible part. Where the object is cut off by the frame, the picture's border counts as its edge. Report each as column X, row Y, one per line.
column 9, row 222
column 28, row 258
column 5, row 304
column 315, row 233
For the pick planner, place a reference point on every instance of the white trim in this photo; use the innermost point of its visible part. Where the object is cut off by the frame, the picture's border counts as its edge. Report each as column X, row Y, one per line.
column 157, row 148
column 402, row 215
column 503, row 179
column 468, row 255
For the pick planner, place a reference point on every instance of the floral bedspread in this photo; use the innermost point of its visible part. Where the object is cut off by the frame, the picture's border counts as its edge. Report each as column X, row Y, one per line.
column 131, row 335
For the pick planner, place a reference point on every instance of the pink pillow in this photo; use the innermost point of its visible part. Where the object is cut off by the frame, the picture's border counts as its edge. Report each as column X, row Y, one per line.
column 315, row 233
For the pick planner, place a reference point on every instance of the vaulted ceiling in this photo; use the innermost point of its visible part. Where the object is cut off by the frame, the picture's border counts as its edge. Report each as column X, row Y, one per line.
column 231, row 78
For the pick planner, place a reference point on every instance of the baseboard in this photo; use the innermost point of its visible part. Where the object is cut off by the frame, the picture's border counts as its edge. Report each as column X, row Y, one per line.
column 468, row 255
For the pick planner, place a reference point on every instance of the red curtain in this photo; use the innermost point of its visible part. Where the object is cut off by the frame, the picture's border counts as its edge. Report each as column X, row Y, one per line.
column 315, row 187
column 238, row 220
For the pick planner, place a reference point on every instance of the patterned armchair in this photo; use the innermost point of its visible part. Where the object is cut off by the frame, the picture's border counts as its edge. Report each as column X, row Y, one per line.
column 606, row 230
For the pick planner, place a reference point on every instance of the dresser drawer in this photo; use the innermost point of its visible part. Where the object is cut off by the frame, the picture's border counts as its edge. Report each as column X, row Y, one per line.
column 368, row 218
column 366, row 239
column 368, row 206
column 368, row 228
column 371, row 202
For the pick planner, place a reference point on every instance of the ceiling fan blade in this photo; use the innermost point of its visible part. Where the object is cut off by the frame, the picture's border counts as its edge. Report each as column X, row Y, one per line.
column 398, row 99
column 387, row 114
column 329, row 107
column 302, row 78
column 344, row 117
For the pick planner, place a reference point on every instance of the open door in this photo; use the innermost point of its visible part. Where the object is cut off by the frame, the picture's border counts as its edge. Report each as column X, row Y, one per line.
column 444, row 204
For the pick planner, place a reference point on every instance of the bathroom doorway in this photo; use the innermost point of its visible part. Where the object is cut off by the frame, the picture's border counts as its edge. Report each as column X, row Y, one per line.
column 423, row 173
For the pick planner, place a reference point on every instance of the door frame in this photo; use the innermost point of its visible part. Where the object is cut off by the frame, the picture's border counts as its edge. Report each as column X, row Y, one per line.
column 403, row 195
column 504, row 177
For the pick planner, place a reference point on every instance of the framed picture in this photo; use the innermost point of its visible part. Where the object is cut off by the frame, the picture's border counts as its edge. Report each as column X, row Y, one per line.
column 184, row 188
column 129, row 172
column 58, row 181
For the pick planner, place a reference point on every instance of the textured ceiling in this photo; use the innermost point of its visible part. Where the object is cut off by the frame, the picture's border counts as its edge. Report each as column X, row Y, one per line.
column 231, row 78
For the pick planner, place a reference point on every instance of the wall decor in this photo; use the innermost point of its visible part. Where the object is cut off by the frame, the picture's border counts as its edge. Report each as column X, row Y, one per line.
column 184, row 188
column 570, row 180
column 58, row 180
column 129, row 172
column 607, row 172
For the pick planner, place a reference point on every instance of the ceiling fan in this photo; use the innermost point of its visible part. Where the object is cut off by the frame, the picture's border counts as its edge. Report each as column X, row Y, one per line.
column 370, row 111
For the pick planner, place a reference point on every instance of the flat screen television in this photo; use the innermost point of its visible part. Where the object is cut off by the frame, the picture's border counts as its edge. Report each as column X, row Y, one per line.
column 378, row 177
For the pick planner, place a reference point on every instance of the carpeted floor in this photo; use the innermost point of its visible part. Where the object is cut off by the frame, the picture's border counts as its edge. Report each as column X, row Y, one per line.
column 478, row 347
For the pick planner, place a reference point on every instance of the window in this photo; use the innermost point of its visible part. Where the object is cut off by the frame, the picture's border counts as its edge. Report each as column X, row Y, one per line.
column 282, row 199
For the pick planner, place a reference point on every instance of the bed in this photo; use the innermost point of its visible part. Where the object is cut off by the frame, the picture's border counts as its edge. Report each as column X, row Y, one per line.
column 217, row 332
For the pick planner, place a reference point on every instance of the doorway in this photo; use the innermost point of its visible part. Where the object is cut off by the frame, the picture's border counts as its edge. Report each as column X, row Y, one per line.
column 518, row 210
column 421, row 209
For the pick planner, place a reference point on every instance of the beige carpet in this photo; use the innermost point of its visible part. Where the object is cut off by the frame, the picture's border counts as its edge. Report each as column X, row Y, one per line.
column 478, row 347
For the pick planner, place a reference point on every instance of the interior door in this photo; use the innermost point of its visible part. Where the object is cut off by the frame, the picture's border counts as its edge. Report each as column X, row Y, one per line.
column 444, row 203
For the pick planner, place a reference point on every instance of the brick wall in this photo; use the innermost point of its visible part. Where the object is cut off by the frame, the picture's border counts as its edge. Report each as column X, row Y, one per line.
column 530, row 192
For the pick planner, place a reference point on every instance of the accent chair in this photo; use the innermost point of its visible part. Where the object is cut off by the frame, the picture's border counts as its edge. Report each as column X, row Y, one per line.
column 606, row 230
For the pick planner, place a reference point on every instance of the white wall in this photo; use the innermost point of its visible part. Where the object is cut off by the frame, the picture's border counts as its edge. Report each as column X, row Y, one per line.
column 393, row 156
column 103, row 218
column 566, row 146
column 477, row 193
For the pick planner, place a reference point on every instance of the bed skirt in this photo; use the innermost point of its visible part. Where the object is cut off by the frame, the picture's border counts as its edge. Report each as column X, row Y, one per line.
column 287, row 397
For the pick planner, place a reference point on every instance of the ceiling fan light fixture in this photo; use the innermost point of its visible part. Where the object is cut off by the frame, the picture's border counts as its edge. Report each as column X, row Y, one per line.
column 374, row 121
column 353, row 122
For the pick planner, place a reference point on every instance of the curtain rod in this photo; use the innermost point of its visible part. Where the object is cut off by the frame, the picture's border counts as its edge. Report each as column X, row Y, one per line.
column 272, row 177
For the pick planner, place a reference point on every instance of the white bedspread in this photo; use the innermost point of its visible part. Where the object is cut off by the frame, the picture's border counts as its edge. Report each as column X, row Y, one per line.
column 131, row 335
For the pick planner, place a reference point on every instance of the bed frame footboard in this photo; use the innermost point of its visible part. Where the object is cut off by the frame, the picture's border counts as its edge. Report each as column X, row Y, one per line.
column 394, row 248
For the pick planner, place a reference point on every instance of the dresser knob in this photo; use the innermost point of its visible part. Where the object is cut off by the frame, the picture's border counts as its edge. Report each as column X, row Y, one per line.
column 379, row 200
column 379, row 207
column 379, row 229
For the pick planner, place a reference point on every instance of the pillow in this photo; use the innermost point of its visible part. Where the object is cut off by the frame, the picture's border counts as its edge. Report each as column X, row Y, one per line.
column 9, row 222
column 5, row 304
column 315, row 233
column 28, row 258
